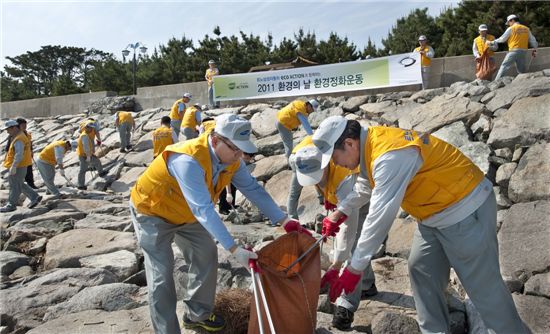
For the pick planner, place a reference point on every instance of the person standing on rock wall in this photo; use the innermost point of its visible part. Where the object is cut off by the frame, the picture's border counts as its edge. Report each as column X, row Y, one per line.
column 426, row 55
column 125, row 123
column 87, row 157
column 481, row 48
column 173, row 200
column 454, row 204
column 290, row 118
column 177, row 112
column 519, row 37
column 51, row 156
column 18, row 158
column 345, row 195
column 163, row 136
column 211, row 71
column 191, row 121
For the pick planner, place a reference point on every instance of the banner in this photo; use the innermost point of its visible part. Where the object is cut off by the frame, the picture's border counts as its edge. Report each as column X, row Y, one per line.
column 392, row 71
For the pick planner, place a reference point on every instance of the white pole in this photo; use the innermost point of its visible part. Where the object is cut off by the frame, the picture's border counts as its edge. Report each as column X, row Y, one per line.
column 260, row 321
column 266, row 307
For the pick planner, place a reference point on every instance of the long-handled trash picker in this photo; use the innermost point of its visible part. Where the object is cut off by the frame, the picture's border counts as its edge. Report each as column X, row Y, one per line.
column 257, row 285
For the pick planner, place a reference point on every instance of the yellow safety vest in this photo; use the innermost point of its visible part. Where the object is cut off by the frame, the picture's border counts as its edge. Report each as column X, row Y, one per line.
column 27, row 154
column 208, row 126
column 162, row 137
column 125, row 117
column 48, row 153
column 174, row 114
column 210, row 73
column 519, row 39
column 482, row 47
column 83, row 124
column 288, row 116
column 446, row 175
column 425, row 61
column 157, row 193
column 80, row 149
column 189, row 120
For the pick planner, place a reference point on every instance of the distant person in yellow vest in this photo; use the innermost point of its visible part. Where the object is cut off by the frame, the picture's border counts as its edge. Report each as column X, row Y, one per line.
column 426, row 55
column 29, row 178
column 481, row 46
column 177, row 112
column 18, row 158
column 163, row 136
column 209, row 76
column 95, row 134
column 191, row 122
column 207, row 125
column 124, row 122
column 87, row 157
column 51, row 156
column 454, row 204
column 345, row 195
column 291, row 117
column 173, row 200
column 519, row 37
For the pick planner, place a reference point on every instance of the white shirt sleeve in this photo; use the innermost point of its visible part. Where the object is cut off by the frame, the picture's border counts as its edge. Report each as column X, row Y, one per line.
column 59, row 153
column 430, row 53
column 474, row 49
column 533, row 40
column 392, row 173
column 355, row 199
column 86, row 145
column 504, row 37
column 19, row 149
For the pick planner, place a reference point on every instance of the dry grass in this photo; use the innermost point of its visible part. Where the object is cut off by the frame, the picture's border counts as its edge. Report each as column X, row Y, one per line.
column 234, row 306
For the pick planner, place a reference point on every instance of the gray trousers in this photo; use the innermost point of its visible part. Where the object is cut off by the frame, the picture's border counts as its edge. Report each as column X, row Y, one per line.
column 155, row 237
column 48, row 174
column 176, row 126
column 211, row 101
column 189, row 133
column 471, row 248
column 96, row 164
column 286, row 136
column 513, row 57
column 425, row 76
column 17, row 186
column 125, row 132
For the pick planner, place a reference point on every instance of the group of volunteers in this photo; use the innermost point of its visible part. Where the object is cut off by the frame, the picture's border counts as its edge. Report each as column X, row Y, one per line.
column 517, row 36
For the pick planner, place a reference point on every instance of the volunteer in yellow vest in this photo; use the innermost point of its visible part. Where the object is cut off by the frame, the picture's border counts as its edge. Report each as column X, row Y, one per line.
column 480, row 46
column 124, row 122
column 519, row 37
column 173, row 200
column 345, row 193
column 207, row 125
column 95, row 134
column 454, row 204
column 163, row 136
column 86, row 156
column 191, row 121
column 51, row 156
column 29, row 178
column 18, row 158
column 177, row 112
column 426, row 55
column 209, row 76
column 290, row 118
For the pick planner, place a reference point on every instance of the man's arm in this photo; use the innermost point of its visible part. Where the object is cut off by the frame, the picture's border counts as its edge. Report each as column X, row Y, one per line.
column 305, row 124
column 86, row 146
column 59, row 153
column 474, row 50
column 533, row 41
column 430, row 53
column 358, row 197
column 19, row 149
column 504, row 37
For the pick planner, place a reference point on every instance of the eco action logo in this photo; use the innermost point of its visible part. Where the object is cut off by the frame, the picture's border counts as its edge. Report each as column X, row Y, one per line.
column 241, row 85
column 231, row 85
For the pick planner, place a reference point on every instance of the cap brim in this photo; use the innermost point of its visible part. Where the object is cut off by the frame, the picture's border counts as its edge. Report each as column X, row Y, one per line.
column 245, row 145
column 326, row 157
column 309, row 179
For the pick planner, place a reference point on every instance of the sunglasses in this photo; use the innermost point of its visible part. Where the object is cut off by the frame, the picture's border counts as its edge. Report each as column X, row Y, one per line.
column 230, row 145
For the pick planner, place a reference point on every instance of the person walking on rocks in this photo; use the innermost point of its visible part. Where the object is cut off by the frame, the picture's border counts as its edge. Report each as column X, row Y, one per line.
column 51, row 156
column 163, row 136
column 518, row 37
column 426, row 55
column 29, row 178
column 177, row 112
column 173, row 200
column 95, row 134
column 481, row 49
column 18, row 158
column 454, row 204
column 191, row 121
column 290, row 118
column 87, row 157
column 125, row 123
column 346, row 195
column 211, row 71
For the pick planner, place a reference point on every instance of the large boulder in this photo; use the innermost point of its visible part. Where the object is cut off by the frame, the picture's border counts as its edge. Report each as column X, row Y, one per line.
column 522, row 86
column 534, row 311
column 392, row 322
column 10, row 261
column 122, row 263
column 103, row 221
column 400, row 237
column 353, row 103
column 538, row 285
column 263, row 123
column 320, row 115
column 530, row 179
column 127, row 180
column 264, row 169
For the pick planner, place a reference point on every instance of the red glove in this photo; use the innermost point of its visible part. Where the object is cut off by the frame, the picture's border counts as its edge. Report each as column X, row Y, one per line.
column 346, row 283
column 329, row 277
column 98, row 142
column 330, row 228
column 294, row 225
column 329, row 206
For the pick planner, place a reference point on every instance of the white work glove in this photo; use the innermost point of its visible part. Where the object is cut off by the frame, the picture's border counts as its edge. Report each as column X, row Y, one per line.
column 229, row 199
column 89, row 159
column 62, row 172
column 13, row 170
column 242, row 256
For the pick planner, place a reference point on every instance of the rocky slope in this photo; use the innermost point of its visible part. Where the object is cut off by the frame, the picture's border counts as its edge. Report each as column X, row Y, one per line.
column 72, row 265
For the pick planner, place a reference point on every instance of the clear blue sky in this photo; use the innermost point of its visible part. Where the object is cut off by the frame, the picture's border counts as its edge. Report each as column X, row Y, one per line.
column 110, row 25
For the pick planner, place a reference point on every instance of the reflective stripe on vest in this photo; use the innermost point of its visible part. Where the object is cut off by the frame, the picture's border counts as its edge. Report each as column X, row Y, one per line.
column 482, row 47
column 48, row 153
column 27, row 154
column 162, row 137
column 519, row 37
column 288, row 116
column 174, row 114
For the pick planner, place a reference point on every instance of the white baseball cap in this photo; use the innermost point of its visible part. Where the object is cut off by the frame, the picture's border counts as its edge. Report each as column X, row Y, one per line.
column 237, row 130
column 308, row 165
column 511, row 17
column 9, row 123
column 187, row 95
column 483, row 27
column 422, row 38
column 327, row 135
column 211, row 61
column 314, row 104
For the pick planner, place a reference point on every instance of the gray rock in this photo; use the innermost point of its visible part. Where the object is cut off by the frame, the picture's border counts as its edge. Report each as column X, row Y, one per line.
column 487, row 97
column 504, row 172
column 263, row 123
column 317, row 117
column 324, row 305
column 538, row 285
column 37, row 246
column 505, row 153
column 55, row 216
column 103, row 221
column 10, row 261
column 268, row 167
column 427, row 94
column 254, row 108
column 127, row 180
column 271, row 145
column 524, row 233
column 482, row 127
column 530, row 180
column 353, row 103
column 519, row 88
column 502, row 201
column 455, row 134
column 10, row 218
column 139, row 159
column 534, row 311
column 392, row 322
column 518, row 153
column 400, row 237
column 467, row 89
column 121, row 263
column 65, row 250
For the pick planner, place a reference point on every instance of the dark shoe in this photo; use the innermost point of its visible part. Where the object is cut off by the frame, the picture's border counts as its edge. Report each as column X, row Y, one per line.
column 342, row 319
column 372, row 291
column 82, row 188
column 32, row 185
column 34, row 203
column 123, row 150
column 224, row 211
column 103, row 173
column 214, row 323
column 8, row 208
